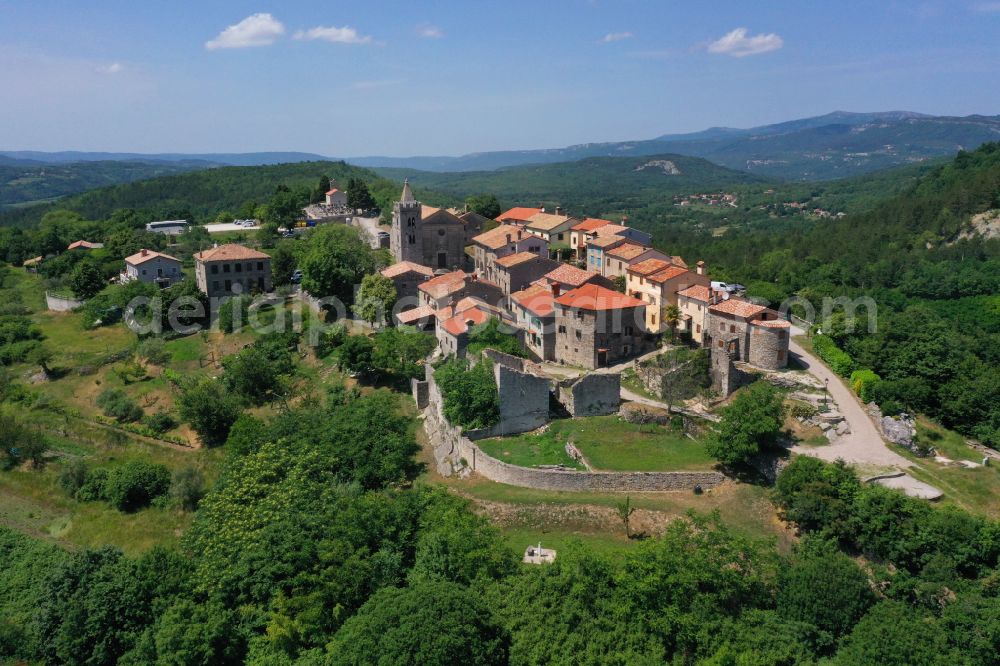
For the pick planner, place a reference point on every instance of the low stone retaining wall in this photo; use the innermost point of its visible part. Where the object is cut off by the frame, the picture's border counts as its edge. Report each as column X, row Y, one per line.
column 457, row 454
column 61, row 303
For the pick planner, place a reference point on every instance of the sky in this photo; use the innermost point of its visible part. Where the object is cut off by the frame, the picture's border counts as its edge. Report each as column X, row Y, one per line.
column 447, row 77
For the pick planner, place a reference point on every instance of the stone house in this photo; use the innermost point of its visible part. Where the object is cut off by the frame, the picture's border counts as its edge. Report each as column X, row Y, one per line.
column 448, row 289
column 568, row 277
column 455, row 324
column 516, row 271
column 596, row 327
column 230, row 269
column 475, row 224
column 596, row 249
column 533, row 312
column 503, row 241
column 657, row 282
column 578, row 235
column 407, row 276
column 553, row 227
column 153, row 267
column 750, row 333
column 426, row 235
column 693, row 303
column 336, row 197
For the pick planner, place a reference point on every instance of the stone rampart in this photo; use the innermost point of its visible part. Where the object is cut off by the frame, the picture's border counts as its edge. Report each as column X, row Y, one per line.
column 594, row 394
column 457, row 454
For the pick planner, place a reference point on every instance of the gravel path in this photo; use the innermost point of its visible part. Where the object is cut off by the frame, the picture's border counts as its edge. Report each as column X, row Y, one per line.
column 864, row 445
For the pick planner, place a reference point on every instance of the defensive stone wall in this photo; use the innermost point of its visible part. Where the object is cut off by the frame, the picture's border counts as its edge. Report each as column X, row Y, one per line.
column 457, row 454
column 766, row 345
column 594, row 394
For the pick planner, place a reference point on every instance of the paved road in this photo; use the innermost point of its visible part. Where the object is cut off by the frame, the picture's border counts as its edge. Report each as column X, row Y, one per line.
column 864, row 445
column 369, row 228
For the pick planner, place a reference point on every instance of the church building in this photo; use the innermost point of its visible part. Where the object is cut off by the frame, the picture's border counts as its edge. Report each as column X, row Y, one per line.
column 426, row 235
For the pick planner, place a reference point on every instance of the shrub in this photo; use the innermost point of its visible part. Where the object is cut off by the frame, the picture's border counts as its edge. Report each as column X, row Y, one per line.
column 330, row 339
column 470, row 396
column 863, row 382
column 751, row 422
column 135, row 484
column 154, row 351
column 161, row 422
column 234, row 313
column 94, row 486
column 210, row 410
column 73, row 477
column 838, row 360
column 119, row 406
column 187, row 487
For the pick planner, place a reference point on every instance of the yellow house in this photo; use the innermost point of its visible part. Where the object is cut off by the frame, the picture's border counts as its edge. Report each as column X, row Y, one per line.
column 656, row 282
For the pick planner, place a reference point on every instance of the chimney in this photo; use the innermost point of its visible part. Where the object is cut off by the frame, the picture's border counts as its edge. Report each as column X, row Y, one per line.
column 541, row 207
column 143, row 252
column 559, row 210
column 555, row 289
column 700, row 268
column 215, row 246
column 508, row 238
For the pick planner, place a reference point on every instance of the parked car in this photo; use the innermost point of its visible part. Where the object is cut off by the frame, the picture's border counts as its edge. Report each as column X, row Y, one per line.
column 296, row 276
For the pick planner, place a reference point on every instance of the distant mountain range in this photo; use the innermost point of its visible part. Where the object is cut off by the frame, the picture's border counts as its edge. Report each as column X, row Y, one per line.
column 835, row 145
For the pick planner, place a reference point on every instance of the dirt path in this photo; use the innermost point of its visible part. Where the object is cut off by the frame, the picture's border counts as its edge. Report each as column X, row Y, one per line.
column 863, row 446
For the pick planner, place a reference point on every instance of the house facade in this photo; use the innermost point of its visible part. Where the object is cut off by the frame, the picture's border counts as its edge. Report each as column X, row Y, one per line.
column 231, row 269
column 597, row 327
column 517, row 271
column 656, row 282
column 750, row 332
column 618, row 260
column 533, row 314
column 553, row 227
column 153, row 267
column 578, row 235
column 407, row 276
column 503, row 241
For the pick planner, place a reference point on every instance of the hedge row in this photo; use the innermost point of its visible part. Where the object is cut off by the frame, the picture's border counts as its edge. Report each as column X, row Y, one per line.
column 838, row 360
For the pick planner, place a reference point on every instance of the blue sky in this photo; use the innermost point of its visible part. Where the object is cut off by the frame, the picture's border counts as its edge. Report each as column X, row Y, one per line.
column 449, row 77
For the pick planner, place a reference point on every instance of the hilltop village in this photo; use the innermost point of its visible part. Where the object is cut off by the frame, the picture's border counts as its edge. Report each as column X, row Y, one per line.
column 577, row 291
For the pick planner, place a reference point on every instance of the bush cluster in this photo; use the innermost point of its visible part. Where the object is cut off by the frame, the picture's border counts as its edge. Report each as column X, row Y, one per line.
column 838, row 360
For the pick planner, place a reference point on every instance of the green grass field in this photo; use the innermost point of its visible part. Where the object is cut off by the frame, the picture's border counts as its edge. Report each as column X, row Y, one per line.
column 607, row 442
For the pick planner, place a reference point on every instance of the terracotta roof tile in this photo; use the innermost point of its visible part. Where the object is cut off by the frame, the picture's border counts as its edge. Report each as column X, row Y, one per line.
column 628, row 251
column 403, row 267
column 496, row 238
column 142, row 256
column 416, row 314
column 570, row 275
column 519, row 213
column 649, row 266
column 737, row 307
column 443, row 285
column 595, row 297
column 460, row 323
column 547, row 221
column 515, row 259
column 771, row 323
column 610, row 229
column 590, row 223
column 696, row 293
column 667, row 274
column 536, row 299
column 229, row 252
column 606, row 241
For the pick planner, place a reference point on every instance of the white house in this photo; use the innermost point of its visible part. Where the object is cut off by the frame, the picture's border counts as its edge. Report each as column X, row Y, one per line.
column 151, row 266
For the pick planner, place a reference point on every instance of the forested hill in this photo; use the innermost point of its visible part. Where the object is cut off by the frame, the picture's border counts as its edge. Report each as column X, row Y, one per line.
column 24, row 181
column 589, row 185
column 937, row 286
column 201, row 195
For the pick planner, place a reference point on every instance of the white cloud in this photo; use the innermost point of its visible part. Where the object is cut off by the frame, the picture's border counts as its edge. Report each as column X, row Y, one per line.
column 345, row 35
column 428, row 31
column 255, row 30
column 986, row 7
column 615, row 37
column 738, row 44
column 113, row 68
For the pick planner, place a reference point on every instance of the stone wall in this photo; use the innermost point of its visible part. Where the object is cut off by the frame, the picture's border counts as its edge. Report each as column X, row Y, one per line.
column 594, row 394
column 726, row 377
column 768, row 347
column 420, row 392
column 61, row 303
column 456, row 454
column 524, row 400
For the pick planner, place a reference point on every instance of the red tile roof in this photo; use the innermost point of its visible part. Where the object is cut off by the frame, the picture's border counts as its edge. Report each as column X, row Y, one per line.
column 536, row 299
column 696, row 293
column 606, row 241
column 547, row 221
column 404, row 267
column 595, row 297
column 496, row 238
column 609, row 229
column 519, row 213
column 668, row 273
column 737, row 307
column 87, row 245
column 333, row 191
column 771, row 323
column 589, row 224
column 628, row 251
column 570, row 275
column 230, row 252
column 649, row 266
column 515, row 259
column 460, row 324
column 143, row 256
column 443, row 285
column 416, row 314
